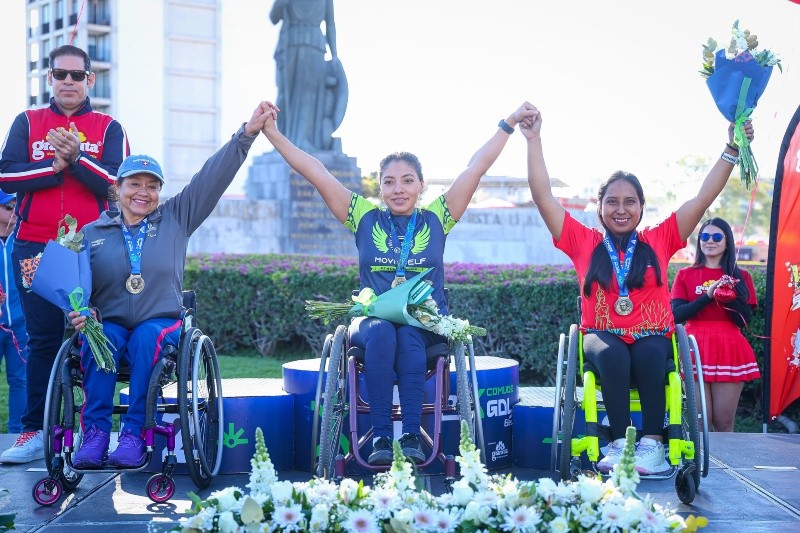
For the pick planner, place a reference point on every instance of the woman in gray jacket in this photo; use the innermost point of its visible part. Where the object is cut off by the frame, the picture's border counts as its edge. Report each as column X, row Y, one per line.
column 137, row 259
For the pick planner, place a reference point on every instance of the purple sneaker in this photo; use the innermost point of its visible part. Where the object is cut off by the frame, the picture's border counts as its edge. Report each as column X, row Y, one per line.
column 130, row 451
column 93, row 449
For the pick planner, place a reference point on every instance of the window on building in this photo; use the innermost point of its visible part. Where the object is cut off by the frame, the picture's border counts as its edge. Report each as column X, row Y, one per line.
column 46, row 18
column 59, row 19
column 35, row 56
column 102, row 85
column 33, row 21
column 98, row 12
column 74, row 9
column 99, row 48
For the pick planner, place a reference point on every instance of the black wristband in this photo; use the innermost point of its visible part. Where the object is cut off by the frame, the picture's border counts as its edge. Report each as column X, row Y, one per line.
column 503, row 125
column 732, row 147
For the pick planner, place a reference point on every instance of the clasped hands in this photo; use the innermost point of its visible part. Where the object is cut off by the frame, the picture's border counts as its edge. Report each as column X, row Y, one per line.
column 66, row 144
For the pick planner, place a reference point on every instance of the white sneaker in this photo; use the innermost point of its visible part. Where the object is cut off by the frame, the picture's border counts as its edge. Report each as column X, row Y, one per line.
column 29, row 447
column 649, row 458
column 612, row 457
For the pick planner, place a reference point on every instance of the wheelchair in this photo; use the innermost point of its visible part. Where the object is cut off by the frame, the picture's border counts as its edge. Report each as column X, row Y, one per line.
column 688, row 455
column 338, row 397
column 188, row 372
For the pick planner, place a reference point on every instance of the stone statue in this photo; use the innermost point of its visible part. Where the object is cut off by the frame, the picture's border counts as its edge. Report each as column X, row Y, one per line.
column 312, row 92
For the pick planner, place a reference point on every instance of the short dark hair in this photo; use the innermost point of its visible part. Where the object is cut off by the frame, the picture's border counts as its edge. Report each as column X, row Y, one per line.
column 69, row 50
column 408, row 157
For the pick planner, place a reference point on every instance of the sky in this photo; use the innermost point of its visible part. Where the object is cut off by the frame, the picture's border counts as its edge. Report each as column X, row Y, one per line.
column 616, row 82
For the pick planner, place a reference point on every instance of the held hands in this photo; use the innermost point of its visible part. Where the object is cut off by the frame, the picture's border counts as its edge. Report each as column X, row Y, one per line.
column 261, row 115
column 531, row 125
column 272, row 123
column 66, row 144
column 78, row 320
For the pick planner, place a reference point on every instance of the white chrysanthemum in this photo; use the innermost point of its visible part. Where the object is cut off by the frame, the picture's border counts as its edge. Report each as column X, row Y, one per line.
column 424, row 518
column 383, row 501
column 590, row 489
column 559, row 525
column 614, row 516
column 202, row 521
column 227, row 523
column 545, row 488
column 319, row 518
column 477, row 514
column 289, row 517
column 486, row 498
column 322, row 491
column 522, row 520
column 445, row 500
column 587, row 515
column 565, row 492
column 360, row 521
column 282, row 492
column 226, row 498
column 446, row 520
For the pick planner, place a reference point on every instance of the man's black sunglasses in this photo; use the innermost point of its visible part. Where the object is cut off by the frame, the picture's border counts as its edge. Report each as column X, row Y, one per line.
column 61, row 74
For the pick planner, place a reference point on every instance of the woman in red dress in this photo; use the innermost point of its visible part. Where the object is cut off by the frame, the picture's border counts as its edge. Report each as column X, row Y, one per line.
column 715, row 313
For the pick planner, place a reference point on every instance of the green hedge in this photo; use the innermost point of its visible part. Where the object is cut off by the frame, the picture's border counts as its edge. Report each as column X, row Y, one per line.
column 257, row 301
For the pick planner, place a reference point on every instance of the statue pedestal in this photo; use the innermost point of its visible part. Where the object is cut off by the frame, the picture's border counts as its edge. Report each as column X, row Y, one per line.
column 306, row 225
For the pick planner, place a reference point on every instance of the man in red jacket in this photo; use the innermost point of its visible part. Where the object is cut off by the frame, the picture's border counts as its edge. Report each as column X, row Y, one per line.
column 60, row 160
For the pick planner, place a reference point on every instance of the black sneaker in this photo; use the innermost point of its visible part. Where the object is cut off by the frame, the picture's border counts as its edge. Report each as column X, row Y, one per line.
column 382, row 453
column 412, row 447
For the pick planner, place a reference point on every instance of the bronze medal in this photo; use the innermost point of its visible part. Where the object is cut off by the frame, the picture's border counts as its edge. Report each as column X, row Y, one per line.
column 398, row 280
column 623, row 306
column 134, row 284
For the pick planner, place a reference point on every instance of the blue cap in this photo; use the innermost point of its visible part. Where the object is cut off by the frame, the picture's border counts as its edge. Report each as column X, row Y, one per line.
column 5, row 197
column 140, row 164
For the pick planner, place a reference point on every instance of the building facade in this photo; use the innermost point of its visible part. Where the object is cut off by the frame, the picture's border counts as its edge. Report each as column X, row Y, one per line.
column 157, row 70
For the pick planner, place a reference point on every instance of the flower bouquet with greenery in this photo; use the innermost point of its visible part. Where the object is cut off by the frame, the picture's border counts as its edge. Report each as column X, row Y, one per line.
column 394, row 503
column 63, row 277
column 737, row 77
column 407, row 303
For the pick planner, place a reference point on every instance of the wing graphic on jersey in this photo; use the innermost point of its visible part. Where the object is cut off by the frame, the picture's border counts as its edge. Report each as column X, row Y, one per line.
column 379, row 238
column 421, row 240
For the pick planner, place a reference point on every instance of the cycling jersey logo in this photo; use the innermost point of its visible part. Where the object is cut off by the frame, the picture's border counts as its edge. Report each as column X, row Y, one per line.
column 383, row 242
column 41, row 149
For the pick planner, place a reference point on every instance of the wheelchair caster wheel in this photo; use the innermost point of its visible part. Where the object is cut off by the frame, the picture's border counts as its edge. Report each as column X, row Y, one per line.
column 684, row 485
column 47, row 491
column 160, row 488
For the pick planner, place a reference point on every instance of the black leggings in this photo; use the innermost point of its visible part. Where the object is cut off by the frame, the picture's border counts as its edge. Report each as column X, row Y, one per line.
column 615, row 363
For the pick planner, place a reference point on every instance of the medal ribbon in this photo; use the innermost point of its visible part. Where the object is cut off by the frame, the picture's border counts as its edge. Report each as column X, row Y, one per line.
column 621, row 269
column 406, row 247
column 135, row 246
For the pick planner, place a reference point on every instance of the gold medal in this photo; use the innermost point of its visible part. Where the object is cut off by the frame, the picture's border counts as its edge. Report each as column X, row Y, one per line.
column 135, row 284
column 623, row 306
column 398, row 280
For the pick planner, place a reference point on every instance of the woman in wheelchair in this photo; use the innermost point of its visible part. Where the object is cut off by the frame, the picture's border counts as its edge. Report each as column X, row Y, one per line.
column 626, row 318
column 713, row 313
column 139, row 300
column 394, row 242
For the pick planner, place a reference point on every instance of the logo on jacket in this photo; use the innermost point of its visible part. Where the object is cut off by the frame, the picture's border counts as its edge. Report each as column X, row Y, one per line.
column 382, row 241
column 42, row 149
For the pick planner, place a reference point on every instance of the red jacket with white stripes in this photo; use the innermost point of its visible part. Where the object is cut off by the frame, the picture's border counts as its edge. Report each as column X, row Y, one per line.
column 81, row 190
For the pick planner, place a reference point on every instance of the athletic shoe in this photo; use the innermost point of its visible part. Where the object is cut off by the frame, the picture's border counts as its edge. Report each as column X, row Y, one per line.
column 131, row 451
column 649, row 458
column 382, row 453
column 93, row 450
column 412, row 447
column 28, row 447
column 612, row 456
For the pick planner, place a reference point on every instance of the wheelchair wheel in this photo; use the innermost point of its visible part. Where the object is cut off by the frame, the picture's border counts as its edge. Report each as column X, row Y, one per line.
column 334, row 405
column 689, row 415
column 569, row 404
column 702, row 400
column 55, row 412
column 315, row 416
column 557, row 402
column 466, row 395
column 200, row 406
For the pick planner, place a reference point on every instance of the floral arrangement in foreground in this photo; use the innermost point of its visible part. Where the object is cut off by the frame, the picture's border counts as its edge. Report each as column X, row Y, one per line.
column 478, row 502
column 737, row 77
column 407, row 303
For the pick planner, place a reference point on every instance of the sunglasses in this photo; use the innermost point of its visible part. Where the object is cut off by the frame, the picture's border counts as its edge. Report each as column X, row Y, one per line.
column 716, row 237
column 61, row 74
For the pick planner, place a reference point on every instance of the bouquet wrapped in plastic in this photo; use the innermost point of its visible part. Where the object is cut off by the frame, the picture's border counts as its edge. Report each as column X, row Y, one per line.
column 63, row 277
column 408, row 303
column 737, row 77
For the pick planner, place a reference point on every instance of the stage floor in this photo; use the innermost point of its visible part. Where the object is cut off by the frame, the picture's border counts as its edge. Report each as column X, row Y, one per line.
column 753, row 485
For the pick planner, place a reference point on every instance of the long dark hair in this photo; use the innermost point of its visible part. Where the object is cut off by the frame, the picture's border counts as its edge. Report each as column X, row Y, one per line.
column 600, row 268
column 728, row 260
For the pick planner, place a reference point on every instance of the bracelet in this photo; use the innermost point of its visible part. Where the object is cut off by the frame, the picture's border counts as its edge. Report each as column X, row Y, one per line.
column 732, row 147
column 729, row 158
column 503, row 125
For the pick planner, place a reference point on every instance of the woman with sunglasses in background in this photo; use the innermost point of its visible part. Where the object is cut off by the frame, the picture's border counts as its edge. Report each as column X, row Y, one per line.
column 715, row 312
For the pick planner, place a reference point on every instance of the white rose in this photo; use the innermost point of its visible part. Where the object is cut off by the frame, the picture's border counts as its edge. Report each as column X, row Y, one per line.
column 282, row 491
column 226, row 497
column 226, row 523
column 348, row 490
column 462, row 492
column 319, row 517
column 590, row 490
